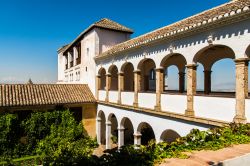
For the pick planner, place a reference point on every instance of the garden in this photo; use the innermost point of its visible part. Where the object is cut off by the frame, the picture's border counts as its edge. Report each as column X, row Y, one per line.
column 57, row 138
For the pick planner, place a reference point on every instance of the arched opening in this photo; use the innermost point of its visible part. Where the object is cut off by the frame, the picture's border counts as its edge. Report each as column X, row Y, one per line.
column 127, row 125
column 114, row 78
column 248, row 52
column 171, row 79
column 102, row 126
column 148, row 78
column 147, row 133
column 102, row 75
column 248, row 55
column 128, row 70
column 225, row 68
column 114, row 132
column 169, row 136
column 174, row 72
column 207, row 57
column 200, row 78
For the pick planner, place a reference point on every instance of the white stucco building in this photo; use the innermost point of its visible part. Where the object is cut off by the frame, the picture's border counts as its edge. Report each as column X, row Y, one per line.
column 128, row 79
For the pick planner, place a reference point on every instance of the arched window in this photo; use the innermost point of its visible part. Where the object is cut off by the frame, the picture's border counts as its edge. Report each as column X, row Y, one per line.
column 174, row 72
column 211, row 58
column 147, row 68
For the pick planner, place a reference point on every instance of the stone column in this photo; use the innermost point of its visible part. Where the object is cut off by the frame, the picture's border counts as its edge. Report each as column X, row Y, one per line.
column 181, row 82
column 191, row 89
column 137, row 86
column 120, row 137
column 207, row 81
column 69, row 59
column 120, row 86
column 99, row 128
column 97, row 85
column 137, row 138
column 246, row 78
column 159, row 87
column 108, row 135
column 75, row 55
column 241, row 84
column 108, row 84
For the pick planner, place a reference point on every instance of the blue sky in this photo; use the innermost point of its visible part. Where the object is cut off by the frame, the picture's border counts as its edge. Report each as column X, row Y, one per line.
column 32, row 30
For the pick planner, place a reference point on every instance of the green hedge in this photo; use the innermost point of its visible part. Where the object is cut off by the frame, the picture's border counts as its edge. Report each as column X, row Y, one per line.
column 27, row 161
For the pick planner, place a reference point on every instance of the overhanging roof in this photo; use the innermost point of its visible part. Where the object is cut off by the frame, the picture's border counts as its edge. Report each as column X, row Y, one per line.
column 209, row 17
column 103, row 23
column 16, row 95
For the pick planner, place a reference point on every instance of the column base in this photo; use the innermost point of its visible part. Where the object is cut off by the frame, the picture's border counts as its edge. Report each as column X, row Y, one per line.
column 119, row 102
column 135, row 104
column 157, row 108
column 239, row 119
column 189, row 113
column 106, row 100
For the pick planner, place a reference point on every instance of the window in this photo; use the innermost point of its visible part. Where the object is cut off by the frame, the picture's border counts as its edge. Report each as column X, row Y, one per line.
column 87, row 52
column 79, row 76
column 86, row 69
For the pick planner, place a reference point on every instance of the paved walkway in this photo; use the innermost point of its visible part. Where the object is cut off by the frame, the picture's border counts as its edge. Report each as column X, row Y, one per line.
column 201, row 158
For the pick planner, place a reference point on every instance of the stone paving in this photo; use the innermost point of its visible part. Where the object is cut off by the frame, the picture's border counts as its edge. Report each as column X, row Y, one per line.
column 202, row 158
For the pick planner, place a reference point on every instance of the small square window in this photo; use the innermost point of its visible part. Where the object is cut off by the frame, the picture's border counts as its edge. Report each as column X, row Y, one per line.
column 87, row 51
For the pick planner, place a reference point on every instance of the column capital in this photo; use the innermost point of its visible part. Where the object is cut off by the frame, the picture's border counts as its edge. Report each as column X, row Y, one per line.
column 192, row 66
column 98, row 75
column 98, row 119
column 108, row 123
column 121, row 73
column 121, row 129
column 159, row 69
column 108, row 75
column 137, row 71
column 137, row 134
column 242, row 61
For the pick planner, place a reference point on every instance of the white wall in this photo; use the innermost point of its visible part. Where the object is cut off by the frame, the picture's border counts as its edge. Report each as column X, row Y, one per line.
column 102, row 95
column 60, row 68
column 88, row 65
column 109, row 38
column 215, row 107
column 174, row 103
column 158, row 124
column 127, row 98
column 147, row 100
column 113, row 96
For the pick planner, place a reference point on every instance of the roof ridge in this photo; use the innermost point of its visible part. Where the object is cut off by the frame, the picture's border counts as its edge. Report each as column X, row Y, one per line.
column 119, row 27
column 136, row 41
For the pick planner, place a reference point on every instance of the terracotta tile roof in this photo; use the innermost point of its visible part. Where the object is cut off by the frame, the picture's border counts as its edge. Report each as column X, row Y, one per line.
column 214, row 15
column 109, row 24
column 103, row 23
column 61, row 49
column 14, row 95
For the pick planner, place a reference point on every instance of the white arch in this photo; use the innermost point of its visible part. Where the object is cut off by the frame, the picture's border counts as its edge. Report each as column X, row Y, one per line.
column 181, row 127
